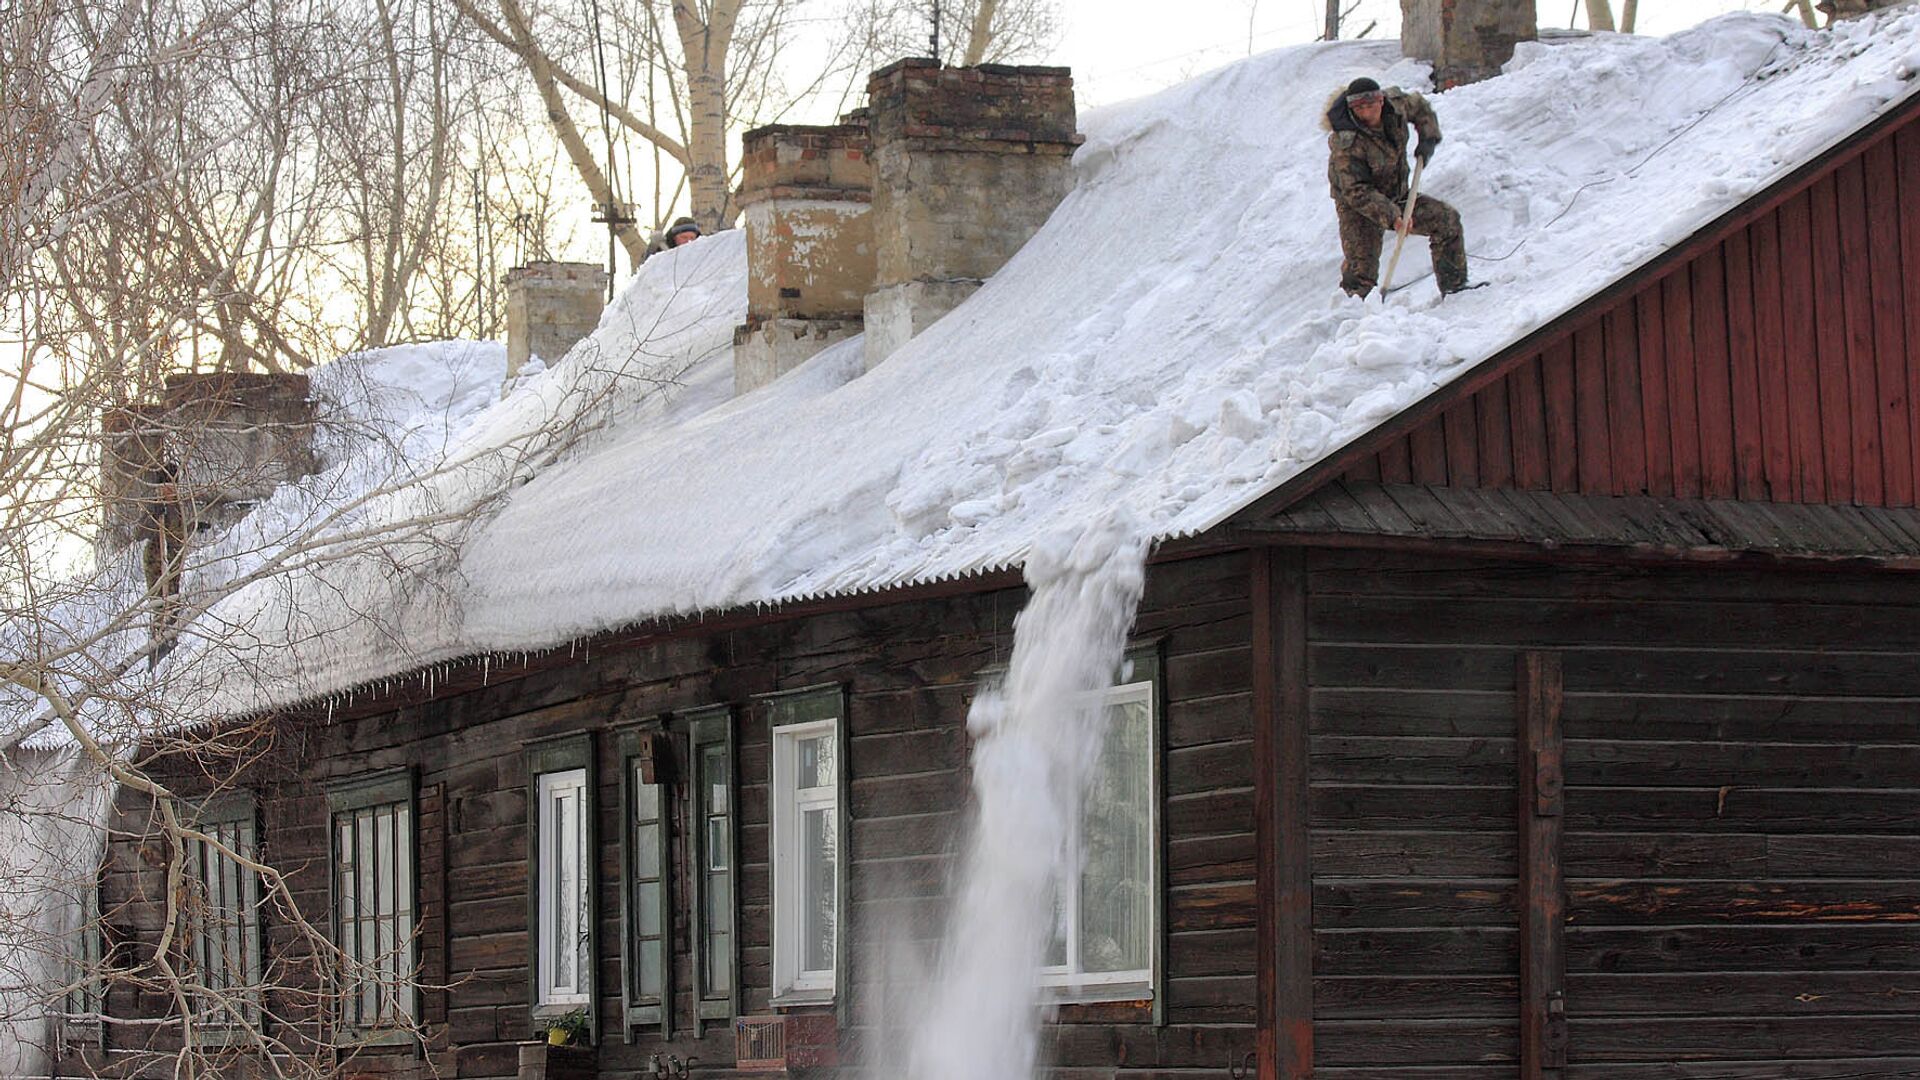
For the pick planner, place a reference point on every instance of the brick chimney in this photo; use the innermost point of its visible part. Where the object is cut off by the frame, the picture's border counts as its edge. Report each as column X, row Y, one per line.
column 551, row 306
column 1465, row 40
column 198, row 459
column 968, row 163
column 807, row 196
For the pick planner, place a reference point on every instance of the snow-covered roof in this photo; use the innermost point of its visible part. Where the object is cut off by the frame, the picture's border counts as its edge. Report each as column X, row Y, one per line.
column 1172, row 343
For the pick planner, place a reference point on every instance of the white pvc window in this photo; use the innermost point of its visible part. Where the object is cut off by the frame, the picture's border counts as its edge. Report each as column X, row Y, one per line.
column 566, row 961
column 806, row 855
column 1102, row 945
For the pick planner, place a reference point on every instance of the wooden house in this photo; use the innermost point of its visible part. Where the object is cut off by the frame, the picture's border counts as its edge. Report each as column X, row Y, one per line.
column 1567, row 724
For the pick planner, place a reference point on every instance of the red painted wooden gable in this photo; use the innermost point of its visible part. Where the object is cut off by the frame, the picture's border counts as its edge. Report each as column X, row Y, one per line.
column 1781, row 364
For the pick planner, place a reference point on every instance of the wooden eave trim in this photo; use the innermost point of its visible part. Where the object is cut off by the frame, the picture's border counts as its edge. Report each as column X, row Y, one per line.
column 1560, row 552
column 1649, row 273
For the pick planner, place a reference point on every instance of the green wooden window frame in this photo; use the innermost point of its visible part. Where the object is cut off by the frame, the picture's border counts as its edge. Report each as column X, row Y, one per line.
column 646, row 893
column 563, row 753
column 224, row 952
column 713, row 863
column 362, row 812
column 85, row 1001
column 810, row 706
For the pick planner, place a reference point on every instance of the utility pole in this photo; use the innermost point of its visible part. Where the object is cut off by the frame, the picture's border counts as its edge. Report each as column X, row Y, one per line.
column 936, row 29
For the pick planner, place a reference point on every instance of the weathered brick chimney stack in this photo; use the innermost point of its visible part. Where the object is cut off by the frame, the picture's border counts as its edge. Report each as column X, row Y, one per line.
column 550, row 306
column 807, row 195
column 968, row 163
column 200, row 457
column 1465, row 40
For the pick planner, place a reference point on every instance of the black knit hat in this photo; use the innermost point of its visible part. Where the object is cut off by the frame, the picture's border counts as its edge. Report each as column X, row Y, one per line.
column 682, row 225
column 1362, row 85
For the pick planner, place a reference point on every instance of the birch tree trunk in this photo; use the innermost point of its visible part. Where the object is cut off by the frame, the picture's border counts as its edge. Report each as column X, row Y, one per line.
column 547, row 84
column 703, row 47
column 980, row 36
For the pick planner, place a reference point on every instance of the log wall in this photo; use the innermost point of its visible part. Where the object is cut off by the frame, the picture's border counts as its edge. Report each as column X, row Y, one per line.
column 1742, row 818
column 910, row 671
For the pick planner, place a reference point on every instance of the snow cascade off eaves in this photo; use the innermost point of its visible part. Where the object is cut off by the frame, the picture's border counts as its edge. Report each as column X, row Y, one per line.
column 1172, row 343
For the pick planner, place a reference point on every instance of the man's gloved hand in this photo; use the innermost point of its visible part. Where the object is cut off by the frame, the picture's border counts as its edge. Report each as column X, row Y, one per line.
column 1425, row 150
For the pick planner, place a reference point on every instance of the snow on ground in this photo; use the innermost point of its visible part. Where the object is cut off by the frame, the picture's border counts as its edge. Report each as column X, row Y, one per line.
column 1171, row 343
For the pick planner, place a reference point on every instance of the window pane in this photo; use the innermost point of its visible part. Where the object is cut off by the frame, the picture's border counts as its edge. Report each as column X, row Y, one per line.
column 647, row 918
column 369, row 896
column 1057, row 939
column 646, row 851
column 719, row 964
column 816, row 761
column 560, row 909
column 819, row 892
column 716, row 777
column 403, row 904
column 651, row 981
column 1116, row 894
column 719, row 844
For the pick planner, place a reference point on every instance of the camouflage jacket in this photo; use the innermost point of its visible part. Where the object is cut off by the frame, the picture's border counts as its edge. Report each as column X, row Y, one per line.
column 1367, row 169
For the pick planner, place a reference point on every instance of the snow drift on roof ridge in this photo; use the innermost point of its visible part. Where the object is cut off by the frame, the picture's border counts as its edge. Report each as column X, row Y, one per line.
column 1171, row 341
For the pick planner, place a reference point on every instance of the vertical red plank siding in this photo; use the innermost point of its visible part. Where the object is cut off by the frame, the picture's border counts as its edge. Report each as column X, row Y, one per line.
column 1800, row 310
column 1557, row 388
column 1780, row 364
column 1863, row 376
column 1496, row 436
column 1889, row 334
column 1625, row 427
column 1463, row 444
column 1528, row 410
column 1396, row 463
column 1836, row 430
column 1749, row 464
column 1429, row 454
column 1770, row 343
column 1711, row 372
column 1648, row 319
column 1593, row 443
column 1907, row 149
column 1676, row 296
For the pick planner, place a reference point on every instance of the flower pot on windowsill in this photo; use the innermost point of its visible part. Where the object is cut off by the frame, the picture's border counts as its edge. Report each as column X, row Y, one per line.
column 558, row 1037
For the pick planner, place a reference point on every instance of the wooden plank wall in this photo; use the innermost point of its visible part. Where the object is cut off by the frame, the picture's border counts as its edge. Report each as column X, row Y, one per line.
column 911, row 670
column 1416, row 947
column 1742, row 817
column 1781, row 365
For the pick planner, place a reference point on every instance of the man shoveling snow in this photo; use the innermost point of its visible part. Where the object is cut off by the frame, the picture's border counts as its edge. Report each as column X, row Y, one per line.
column 1367, row 170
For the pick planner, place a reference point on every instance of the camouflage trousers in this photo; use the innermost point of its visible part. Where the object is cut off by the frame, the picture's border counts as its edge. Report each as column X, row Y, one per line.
column 1361, row 240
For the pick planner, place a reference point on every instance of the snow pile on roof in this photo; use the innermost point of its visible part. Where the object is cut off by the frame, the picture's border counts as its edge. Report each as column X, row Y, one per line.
column 1172, row 342
column 387, row 417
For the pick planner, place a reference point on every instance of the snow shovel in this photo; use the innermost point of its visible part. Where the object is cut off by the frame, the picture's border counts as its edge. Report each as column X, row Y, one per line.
column 1400, row 241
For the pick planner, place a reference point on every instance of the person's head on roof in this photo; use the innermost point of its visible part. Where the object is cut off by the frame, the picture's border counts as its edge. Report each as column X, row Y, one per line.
column 684, row 231
column 1366, row 100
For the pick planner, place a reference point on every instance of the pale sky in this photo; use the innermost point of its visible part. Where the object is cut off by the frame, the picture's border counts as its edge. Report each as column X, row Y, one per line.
column 1124, row 48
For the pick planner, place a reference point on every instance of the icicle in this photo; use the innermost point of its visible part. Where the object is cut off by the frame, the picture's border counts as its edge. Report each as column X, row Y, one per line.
column 486, row 668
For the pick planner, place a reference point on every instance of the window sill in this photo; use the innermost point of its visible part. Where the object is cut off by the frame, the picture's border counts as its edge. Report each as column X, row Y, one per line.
column 375, row 1038
column 1118, row 993
column 795, row 998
